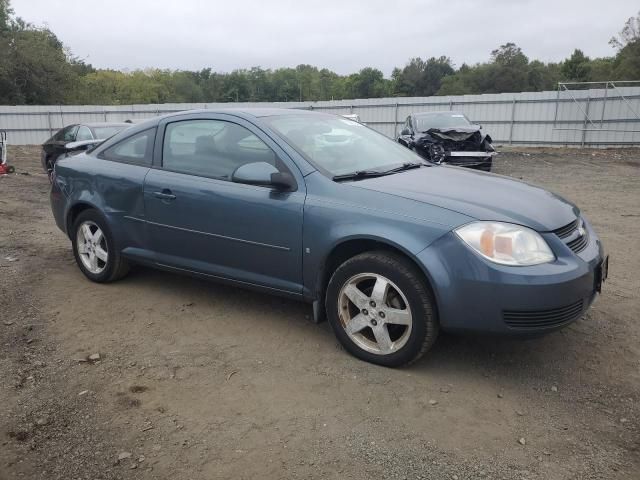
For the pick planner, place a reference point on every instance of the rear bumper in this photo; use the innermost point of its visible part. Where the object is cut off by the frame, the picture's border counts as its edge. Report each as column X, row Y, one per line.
column 475, row 295
column 58, row 206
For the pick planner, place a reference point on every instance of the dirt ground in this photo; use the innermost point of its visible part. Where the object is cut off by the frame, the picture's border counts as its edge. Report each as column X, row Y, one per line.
column 201, row 381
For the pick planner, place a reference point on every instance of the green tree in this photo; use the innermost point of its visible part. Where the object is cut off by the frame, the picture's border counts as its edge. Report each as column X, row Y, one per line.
column 508, row 71
column 8, row 90
column 509, row 55
column 421, row 78
column 40, row 71
column 630, row 33
column 35, row 68
column 601, row 69
column 541, row 76
column 6, row 12
column 577, row 67
column 368, row 83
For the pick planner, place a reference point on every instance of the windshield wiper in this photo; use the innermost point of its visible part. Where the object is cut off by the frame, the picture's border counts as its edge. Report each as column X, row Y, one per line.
column 403, row 167
column 376, row 173
column 359, row 174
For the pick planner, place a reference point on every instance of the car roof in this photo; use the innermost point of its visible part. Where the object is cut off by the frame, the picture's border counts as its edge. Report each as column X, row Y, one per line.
column 453, row 112
column 247, row 113
column 105, row 124
column 254, row 112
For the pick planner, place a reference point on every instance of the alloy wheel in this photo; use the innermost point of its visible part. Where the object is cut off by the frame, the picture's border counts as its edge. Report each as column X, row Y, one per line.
column 374, row 313
column 92, row 247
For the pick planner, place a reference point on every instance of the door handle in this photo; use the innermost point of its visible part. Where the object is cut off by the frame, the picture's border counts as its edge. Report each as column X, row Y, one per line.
column 164, row 195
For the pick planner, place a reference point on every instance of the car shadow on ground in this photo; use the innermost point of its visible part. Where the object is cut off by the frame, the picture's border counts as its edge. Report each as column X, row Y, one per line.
column 520, row 359
column 508, row 357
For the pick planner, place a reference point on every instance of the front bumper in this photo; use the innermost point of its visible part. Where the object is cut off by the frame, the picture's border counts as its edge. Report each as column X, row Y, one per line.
column 473, row 294
column 468, row 159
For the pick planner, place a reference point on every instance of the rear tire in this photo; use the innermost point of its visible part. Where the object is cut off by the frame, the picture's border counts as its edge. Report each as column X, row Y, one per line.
column 381, row 309
column 94, row 249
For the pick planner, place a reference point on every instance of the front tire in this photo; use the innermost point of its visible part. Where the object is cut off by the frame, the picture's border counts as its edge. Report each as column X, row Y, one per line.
column 48, row 164
column 94, row 249
column 381, row 309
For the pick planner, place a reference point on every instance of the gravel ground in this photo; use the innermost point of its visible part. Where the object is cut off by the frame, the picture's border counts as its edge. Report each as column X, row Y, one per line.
column 200, row 381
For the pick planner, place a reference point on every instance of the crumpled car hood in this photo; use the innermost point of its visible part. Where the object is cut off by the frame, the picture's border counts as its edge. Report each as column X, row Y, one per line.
column 479, row 195
column 457, row 134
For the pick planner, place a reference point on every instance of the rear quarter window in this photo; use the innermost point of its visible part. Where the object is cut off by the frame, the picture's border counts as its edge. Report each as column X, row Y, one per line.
column 136, row 149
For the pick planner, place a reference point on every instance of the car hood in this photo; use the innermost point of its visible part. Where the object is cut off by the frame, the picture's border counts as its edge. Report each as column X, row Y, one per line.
column 483, row 196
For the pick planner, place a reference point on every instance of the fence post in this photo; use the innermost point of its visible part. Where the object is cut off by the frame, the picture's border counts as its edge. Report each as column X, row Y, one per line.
column 555, row 114
column 604, row 103
column 584, row 123
column 513, row 116
column 395, row 123
column 49, row 123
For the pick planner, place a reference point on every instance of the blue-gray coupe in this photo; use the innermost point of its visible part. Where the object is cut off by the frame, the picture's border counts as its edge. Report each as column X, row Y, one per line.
column 387, row 246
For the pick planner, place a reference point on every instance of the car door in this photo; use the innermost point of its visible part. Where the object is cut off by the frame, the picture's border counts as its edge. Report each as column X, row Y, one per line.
column 200, row 221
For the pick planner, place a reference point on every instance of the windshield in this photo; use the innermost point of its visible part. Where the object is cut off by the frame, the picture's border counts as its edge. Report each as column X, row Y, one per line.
column 338, row 145
column 441, row 120
column 102, row 133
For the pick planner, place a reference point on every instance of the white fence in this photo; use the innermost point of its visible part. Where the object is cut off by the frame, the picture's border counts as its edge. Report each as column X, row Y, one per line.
column 595, row 117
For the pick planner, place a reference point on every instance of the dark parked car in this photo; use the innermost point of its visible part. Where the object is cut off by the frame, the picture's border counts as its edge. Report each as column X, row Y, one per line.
column 448, row 137
column 73, row 138
column 389, row 247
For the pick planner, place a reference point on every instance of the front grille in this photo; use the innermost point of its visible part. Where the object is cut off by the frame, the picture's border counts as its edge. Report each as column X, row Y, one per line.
column 579, row 244
column 462, row 146
column 541, row 319
column 567, row 230
column 576, row 237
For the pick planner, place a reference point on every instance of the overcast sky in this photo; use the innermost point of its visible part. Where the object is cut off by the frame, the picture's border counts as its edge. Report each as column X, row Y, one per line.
column 342, row 35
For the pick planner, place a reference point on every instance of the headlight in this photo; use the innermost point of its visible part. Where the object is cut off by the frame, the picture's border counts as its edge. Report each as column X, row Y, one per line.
column 506, row 243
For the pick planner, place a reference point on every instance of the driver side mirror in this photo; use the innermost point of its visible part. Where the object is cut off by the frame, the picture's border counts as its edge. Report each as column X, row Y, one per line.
column 265, row 175
column 406, row 132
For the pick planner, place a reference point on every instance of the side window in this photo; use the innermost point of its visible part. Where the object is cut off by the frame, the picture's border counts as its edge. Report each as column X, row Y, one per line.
column 83, row 134
column 67, row 134
column 136, row 149
column 212, row 148
column 60, row 135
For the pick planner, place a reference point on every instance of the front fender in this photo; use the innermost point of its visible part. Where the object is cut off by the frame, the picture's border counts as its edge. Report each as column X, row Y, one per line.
column 337, row 213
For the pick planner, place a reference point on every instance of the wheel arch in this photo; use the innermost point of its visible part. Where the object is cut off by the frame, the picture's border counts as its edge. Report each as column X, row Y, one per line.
column 350, row 247
column 75, row 210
